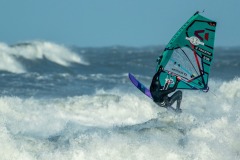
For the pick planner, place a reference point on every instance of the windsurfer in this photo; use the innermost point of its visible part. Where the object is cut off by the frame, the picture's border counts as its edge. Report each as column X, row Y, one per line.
column 160, row 96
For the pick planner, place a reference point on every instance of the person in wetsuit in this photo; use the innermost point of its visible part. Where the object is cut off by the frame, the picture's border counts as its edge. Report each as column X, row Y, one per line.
column 161, row 97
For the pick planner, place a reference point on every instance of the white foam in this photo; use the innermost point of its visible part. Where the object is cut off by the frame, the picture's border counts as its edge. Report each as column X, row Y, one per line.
column 117, row 125
column 106, row 110
column 8, row 62
column 36, row 50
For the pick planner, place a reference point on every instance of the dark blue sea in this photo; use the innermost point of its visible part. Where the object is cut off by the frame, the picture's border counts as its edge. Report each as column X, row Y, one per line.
column 77, row 103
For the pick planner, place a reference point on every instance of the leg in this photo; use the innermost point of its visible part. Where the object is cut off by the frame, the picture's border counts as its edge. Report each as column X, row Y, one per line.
column 177, row 96
column 163, row 103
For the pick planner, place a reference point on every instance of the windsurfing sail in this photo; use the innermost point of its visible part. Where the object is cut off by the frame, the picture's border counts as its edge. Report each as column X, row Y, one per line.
column 189, row 54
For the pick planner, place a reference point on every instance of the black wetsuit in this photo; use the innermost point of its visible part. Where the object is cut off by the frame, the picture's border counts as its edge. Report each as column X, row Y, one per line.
column 161, row 96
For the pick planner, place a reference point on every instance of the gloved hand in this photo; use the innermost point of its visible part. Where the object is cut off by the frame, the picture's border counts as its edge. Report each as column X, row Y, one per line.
column 160, row 69
column 179, row 78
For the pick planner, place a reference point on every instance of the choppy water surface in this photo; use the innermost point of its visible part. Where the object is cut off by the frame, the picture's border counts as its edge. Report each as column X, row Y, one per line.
column 61, row 102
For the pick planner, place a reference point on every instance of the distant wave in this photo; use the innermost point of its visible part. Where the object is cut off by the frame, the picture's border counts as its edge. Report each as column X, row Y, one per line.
column 35, row 50
column 7, row 60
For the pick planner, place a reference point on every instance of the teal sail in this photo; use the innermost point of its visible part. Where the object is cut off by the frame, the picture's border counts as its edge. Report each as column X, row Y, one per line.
column 189, row 54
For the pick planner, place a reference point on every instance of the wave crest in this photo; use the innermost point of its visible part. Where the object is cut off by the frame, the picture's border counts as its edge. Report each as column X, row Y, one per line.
column 36, row 50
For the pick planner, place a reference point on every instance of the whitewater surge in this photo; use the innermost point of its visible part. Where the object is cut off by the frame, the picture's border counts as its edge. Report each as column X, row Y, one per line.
column 123, row 124
column 36, row 50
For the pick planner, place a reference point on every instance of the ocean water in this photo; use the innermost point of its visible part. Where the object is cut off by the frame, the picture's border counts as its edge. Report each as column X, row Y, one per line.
column 67, row 102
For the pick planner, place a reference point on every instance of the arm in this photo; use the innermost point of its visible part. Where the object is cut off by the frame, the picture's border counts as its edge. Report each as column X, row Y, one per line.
column 155, row 85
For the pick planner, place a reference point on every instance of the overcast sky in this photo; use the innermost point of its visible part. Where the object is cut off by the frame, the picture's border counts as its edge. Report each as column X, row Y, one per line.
column 112, row 22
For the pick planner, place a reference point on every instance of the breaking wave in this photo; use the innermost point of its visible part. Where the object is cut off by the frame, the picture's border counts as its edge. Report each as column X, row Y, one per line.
column 36, row 50
column 120, row 124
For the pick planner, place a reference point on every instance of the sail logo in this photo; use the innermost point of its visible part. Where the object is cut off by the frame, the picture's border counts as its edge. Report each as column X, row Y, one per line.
column 207, row 58
column 180, row 72
column 194, row 40
column 203, row 51
column 206, row 35
column 169, row 81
